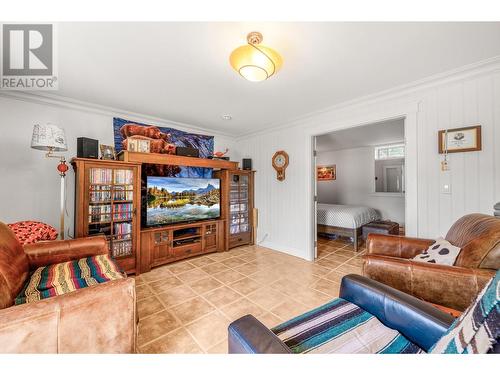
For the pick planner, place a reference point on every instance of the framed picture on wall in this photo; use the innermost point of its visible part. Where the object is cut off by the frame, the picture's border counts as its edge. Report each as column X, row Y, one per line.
column 326, row 173
column 460, row 139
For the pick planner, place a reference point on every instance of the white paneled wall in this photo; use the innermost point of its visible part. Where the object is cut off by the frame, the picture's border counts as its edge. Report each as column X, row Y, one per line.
column 455, row 101
column 278, row 228
column 474, row 185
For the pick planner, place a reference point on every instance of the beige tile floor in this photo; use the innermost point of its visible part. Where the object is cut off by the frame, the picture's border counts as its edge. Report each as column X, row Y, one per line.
column 186, row 307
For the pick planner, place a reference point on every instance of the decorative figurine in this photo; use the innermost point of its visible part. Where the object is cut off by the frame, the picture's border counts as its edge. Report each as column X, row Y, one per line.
column 220, row 154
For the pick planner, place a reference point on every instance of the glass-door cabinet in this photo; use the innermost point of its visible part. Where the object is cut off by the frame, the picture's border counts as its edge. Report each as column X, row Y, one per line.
column 107, row 204
column 240, row 210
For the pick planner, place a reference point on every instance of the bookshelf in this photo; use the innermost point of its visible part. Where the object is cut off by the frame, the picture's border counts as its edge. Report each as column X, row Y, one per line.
column 108, row 203
column 239, row 207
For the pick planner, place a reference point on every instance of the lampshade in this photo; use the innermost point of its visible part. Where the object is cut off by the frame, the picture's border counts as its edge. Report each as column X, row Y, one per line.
column 48, row 138
column 255, row 62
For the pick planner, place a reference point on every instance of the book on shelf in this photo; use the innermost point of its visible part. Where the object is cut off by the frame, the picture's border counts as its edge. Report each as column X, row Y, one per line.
column 105, row 176
column 122, row 248
column 123, row 211
column 101, row 213
column 100, row 194
column 235, row 207
column 122, row 230
column 123, row 176
column 123, row 193
column 101, row 176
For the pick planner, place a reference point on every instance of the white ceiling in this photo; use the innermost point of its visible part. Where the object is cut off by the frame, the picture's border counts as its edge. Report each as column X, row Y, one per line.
column 180, row 71
column 380, row 133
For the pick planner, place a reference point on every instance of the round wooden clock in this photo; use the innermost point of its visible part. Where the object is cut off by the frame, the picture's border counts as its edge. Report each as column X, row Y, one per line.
column 280, row 162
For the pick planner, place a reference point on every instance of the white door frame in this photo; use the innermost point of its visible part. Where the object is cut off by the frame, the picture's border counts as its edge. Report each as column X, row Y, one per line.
column 365, row 116
column 315, row 195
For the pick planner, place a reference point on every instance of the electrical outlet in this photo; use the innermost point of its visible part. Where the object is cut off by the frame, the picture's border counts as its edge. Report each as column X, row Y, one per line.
column 446, row 188
column 445, row 181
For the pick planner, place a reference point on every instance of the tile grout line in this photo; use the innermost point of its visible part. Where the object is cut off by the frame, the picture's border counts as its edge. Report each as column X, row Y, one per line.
column 251, row 259
column 185, row 325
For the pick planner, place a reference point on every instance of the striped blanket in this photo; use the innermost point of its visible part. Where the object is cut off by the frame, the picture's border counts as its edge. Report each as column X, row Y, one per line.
column 66, row 277
column 341, row 327
column 478, row 328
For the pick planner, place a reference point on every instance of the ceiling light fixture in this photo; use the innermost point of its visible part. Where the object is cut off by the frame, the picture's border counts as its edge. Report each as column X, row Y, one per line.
column 226, row 117
column 255, row 62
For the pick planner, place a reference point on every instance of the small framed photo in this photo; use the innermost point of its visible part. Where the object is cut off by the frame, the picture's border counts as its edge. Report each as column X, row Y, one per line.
column 326, row 173
column 460, row 139
column 138, row 144
column 143, row 145
column 131, row 144
column 107, row 152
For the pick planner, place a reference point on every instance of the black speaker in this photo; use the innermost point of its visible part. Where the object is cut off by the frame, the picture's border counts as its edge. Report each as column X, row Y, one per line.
column 87, row 148
column 247, row 164
column 187, row 151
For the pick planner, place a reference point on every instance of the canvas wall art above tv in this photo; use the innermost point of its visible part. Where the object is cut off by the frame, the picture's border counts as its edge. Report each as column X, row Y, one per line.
column 173, row 200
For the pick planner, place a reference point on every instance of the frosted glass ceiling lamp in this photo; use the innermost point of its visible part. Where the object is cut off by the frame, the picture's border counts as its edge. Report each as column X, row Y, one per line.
column 255, row 62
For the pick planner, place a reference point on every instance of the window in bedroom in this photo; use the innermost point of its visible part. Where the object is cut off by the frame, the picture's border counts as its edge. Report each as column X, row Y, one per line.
column 389, row 168
column 390, row 152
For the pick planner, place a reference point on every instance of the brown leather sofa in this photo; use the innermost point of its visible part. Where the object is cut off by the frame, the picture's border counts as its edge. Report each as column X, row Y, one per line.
column 388, row 260
column 96, row 319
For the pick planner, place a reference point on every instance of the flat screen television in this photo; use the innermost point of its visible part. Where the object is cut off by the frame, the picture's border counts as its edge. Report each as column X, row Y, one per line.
column 174, row 200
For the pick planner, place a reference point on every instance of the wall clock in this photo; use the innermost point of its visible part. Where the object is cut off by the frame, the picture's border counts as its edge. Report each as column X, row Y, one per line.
column 280, row 162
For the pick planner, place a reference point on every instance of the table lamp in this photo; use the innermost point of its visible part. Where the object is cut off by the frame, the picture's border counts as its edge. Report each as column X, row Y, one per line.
column 51, row 138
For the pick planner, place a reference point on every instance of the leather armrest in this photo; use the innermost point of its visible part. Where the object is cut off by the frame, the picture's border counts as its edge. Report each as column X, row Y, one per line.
column 97, row 319
column 396, row 246
column 450, row 286
column 418, row 321
column 247, row 335
column 50, row 252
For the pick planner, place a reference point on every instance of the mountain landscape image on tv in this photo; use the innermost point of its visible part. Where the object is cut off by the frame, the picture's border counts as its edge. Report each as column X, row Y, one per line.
column 173, row 200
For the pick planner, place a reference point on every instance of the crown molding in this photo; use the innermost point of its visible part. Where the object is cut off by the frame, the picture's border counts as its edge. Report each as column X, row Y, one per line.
column 462, row 73
column 79, row 105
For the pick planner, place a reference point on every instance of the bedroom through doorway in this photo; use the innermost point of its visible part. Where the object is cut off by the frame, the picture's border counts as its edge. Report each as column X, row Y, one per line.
column 359, row 186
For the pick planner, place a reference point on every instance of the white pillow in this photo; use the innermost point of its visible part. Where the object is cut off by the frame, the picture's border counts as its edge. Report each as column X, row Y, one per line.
column 440, row 252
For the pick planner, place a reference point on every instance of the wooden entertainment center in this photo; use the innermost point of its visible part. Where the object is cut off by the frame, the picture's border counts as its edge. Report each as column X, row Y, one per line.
column 174, row 242
column 108, row 202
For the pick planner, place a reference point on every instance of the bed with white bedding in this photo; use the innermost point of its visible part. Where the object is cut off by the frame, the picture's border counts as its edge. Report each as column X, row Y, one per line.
column 344, row 220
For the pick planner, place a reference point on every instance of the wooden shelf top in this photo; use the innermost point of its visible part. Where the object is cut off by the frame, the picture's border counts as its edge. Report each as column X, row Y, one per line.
column 101, row 161
column 151, row 158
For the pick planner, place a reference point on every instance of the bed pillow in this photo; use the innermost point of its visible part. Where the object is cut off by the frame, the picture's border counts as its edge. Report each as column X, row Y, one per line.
column 440, row 252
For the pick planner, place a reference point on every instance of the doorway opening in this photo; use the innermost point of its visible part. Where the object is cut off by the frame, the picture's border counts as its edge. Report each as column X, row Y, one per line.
column 360, row 185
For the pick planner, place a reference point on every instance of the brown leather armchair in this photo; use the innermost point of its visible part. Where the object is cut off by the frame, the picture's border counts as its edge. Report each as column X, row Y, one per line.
column 388, row 260
column 96, row 319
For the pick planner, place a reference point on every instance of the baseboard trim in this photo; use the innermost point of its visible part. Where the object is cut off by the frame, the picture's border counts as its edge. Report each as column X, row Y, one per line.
column 285, row 250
